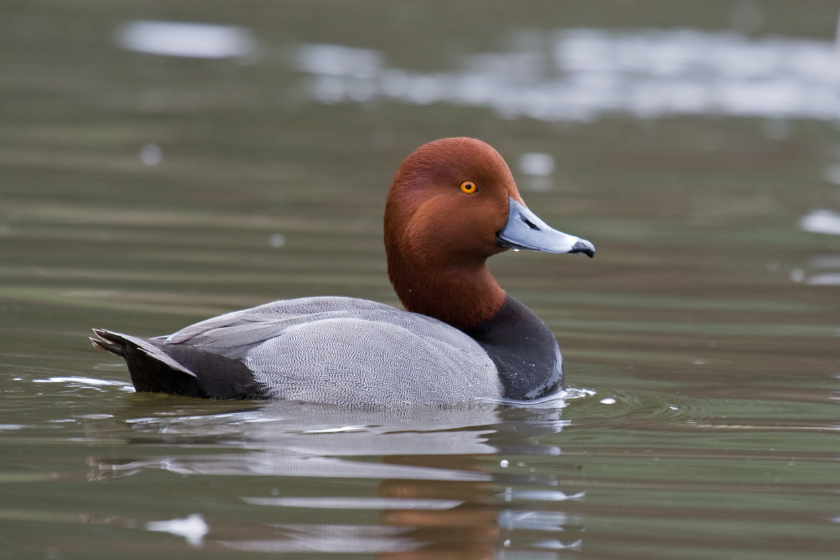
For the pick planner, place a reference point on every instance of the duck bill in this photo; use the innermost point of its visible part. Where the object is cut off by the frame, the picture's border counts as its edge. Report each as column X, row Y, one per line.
column 524, row 230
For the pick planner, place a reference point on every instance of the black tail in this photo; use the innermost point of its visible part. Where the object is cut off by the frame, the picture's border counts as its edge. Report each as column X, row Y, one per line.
column 180, row 369
column 112, row 344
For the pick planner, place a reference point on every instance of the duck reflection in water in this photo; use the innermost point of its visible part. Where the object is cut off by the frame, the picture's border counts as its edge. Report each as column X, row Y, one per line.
column 442, row 491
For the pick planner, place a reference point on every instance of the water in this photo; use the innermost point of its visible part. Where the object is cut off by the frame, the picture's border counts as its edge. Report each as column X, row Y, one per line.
column 142, row 192
column 578, row 74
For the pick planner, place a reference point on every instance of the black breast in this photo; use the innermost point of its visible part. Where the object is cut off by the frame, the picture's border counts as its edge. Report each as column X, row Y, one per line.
column 524, row 351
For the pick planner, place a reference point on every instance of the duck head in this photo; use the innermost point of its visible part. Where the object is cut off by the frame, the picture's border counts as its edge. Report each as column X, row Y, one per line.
column 452, row 204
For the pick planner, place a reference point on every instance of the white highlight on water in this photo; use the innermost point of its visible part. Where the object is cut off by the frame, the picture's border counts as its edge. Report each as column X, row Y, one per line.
column 184, row 39
column 83, row 381
column 336, row 60
column 536, row 164
column 608, row 400
column 534, row 520
column 151, row 155
column 580, row 74
column 193, row 528
column 797, row 275
column 554, row 544
column 821, row 221
column 342, row 539
column 342, row 429
column 277, row 240
column 355, row 503
column 826, row 222
column 544, row 495
column 827, row 279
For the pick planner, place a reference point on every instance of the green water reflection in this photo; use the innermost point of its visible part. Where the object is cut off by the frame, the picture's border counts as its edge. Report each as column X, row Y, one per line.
column 703, row 351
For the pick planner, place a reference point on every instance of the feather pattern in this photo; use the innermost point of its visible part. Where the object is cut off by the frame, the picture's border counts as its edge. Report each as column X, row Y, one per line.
column 349, row 351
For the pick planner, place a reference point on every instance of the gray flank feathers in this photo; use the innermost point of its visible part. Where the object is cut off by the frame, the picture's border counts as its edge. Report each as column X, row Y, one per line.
column 350, row 352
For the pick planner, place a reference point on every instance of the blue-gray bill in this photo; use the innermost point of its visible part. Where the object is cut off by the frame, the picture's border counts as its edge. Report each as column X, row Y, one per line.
column 524, row 230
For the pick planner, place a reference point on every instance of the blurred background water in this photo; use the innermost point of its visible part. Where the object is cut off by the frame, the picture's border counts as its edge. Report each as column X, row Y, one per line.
column 162, row 162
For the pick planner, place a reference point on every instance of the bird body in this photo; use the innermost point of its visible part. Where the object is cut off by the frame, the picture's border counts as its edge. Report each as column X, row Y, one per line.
column 453, row 203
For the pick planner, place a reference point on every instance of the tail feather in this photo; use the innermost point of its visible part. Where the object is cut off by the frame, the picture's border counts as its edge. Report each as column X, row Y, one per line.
column 159, row 367
column 117, row 350
column 120, row 340
column 109, row 342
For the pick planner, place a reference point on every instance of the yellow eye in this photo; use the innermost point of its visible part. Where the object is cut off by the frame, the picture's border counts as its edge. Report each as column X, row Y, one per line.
column 468, row 187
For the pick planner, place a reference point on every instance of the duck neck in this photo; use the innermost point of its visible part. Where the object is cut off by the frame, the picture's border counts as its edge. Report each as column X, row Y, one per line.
column 466, row 296
column 524, row 351
column 462, row 294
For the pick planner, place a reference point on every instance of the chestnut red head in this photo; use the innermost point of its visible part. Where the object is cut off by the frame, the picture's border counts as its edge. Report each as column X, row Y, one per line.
column 447, row 201
column 452, row 204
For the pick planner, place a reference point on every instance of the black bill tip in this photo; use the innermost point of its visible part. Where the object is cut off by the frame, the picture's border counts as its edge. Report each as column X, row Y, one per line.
column 583, row 248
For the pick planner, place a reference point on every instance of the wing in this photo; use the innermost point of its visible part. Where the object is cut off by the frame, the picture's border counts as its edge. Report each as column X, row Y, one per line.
column 234, row 334
column 349, row 351
column 350, row 361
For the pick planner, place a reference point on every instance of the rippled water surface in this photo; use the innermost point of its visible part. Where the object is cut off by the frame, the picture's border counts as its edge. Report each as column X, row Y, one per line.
column 165, row 162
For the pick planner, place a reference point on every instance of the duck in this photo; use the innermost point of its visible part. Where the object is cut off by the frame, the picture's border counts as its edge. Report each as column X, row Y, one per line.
column 452, row 204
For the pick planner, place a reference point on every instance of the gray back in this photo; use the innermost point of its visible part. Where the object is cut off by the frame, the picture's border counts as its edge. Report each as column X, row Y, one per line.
column 350, row 351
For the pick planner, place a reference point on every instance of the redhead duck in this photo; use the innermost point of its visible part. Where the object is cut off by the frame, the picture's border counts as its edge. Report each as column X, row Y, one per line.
column 452, row 204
